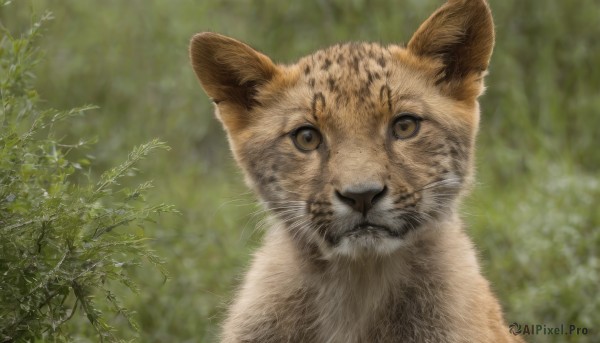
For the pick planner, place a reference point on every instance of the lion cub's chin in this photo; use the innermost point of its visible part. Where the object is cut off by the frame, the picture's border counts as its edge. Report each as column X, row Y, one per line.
column 366, row 245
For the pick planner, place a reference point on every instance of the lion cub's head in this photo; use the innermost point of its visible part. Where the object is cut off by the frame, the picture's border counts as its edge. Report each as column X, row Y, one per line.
column 356, row 146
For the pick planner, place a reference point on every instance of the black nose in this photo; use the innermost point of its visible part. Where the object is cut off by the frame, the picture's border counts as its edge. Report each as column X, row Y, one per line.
column 361, row 199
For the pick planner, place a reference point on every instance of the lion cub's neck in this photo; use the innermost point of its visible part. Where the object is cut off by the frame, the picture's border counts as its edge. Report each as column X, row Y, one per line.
column 355, row 300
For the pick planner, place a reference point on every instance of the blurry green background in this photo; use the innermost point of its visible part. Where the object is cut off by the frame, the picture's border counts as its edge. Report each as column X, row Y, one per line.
column 534, row 213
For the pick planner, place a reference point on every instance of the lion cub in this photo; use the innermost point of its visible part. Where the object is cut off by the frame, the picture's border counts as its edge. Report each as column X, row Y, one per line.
column 361, row 152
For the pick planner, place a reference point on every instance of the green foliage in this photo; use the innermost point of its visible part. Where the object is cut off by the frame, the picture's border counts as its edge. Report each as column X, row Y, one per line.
column 533, row 213
column 539, row 238
column 63, row 243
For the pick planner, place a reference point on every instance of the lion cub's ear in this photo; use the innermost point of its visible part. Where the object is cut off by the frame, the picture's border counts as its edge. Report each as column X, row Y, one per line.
column 459, row 36
column 231, row 73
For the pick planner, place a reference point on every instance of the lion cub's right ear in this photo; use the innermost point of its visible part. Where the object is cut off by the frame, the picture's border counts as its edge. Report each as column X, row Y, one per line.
column 231, row 73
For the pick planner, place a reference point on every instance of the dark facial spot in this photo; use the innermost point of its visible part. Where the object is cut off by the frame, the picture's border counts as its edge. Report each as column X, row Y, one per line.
column 369, row 77
column 331, row 239
column 355, row 64
column 321, row 212
column 403, row 198
column 331, row 83
column 326, row 64
column 364, row 91
column 306, row 70
column 381, row 62
column 454, row 152
column 458, row 168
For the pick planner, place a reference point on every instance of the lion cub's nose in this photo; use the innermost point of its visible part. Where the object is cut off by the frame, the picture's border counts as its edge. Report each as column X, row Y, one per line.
column 361, row 197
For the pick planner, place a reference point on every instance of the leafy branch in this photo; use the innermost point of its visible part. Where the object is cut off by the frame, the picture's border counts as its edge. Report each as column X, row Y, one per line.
column 62, row 243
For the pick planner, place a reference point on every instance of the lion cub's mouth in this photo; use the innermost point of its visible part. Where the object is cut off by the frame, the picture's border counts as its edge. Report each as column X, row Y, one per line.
column 366, row 228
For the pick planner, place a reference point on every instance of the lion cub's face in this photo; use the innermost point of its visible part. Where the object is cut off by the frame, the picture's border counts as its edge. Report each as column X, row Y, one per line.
column 358, row 145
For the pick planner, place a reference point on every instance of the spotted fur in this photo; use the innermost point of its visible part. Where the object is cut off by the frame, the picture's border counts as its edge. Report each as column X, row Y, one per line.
column 400, row 269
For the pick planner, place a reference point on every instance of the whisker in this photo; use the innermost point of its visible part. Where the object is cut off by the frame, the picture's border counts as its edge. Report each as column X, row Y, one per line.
column 444, row 182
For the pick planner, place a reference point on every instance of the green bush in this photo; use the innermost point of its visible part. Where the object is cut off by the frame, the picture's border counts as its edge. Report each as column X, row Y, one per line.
column 65, row 239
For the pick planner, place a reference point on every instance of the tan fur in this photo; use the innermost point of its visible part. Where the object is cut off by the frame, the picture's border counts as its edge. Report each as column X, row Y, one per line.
column 401, row 269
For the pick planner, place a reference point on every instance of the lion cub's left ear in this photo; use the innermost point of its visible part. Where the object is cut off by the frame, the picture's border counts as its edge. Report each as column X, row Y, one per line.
column 460, row 36
column 231, row 73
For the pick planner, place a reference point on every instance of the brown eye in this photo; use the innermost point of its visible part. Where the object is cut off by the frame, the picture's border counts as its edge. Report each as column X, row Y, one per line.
column 306, row 138
column 406, row 126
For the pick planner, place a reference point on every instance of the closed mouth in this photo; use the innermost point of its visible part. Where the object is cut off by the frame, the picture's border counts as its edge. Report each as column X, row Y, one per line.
column 370, row 229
